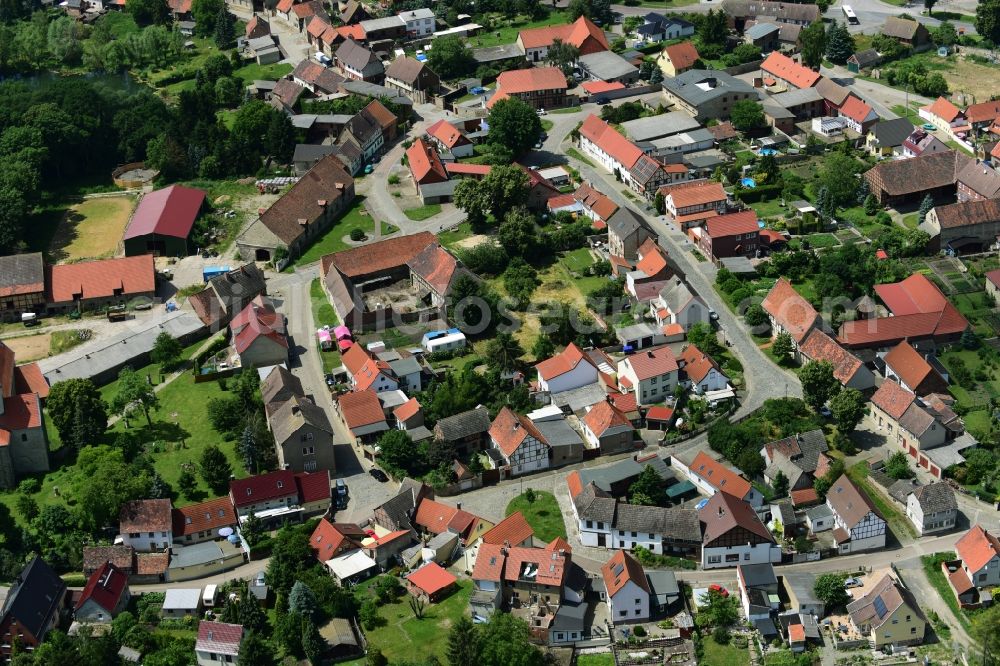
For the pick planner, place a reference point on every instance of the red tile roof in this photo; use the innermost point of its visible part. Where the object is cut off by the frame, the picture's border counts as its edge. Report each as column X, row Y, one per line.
column 625, row 402
column 610, row 141
column 431, row 578
column 908, row 364
column 149, row 515
column 944, row 110
column 694, row 193
column 434, row 516
column 262, row 488
column 327, row 541
column 258, row 319
column 167, row 212
column 509, row 430
column 563, row 362
column 520, row 81
column 724, row 512
column 447, row 134
column 783, row 67
column 380, row 256
column 21, row 412
column 719, row 476
column 104, row 278
column 621, row 569
column 653, row 262
column 914, row 294
column 467, row 169
column 219, row 637
column 549, row 567
column 514, row 529
column 649, row 363
column 790, row 310
column 597, row 87
column 407, row 410
column 977, row 547
column 983, row 112
column 28, row 378
column 104, row 587
column 994, row 275
column 313, row 486
column 600, row 204
column 207, row 516
column 604, row 416
column 696, row 363
column 565, row 200
column 893, row 399
column 425, row 163
column 744, row 222
column 490, row 562
column 855, row 109
column 804, row 497
column 682, row 56
column 361, row 408
column 559, row 544
column 659, row 413
column 818, row 346
column 582, row 34
column 796, row 633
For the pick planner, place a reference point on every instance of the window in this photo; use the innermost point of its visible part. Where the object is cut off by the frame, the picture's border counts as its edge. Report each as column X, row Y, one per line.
column 633, row 535
column 638, row 601
column 590, row 524
column 651, row 536
column 622, row 613
column 151, row 535
column 714, row 559
column 746, row 557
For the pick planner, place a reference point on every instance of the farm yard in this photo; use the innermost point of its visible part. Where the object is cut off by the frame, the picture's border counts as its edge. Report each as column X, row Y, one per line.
column 33, row 347
column 91, row 229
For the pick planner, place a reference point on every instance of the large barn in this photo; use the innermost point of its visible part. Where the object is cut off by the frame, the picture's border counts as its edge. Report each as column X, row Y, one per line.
column 163, row 221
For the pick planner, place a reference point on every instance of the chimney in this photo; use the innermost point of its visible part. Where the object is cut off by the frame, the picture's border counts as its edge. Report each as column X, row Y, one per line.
column 459, row 506
column 721, row 511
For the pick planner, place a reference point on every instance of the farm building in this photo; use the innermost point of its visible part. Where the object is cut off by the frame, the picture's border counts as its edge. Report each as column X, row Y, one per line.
column 163, row 221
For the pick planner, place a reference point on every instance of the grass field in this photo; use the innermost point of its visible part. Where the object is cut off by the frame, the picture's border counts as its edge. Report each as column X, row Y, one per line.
column 961, row 74
column 421, row 213
column 723, row 655
column 356, row 217
column 91, row 228
column 323, row 315
column 254, row 72
column 569, row 109
column 506, row 30
column 577, row 155
column 404, row 637
column 898, row 523
column 543, row 515
column 596, row 659
column 932, row 567
column 455, row 235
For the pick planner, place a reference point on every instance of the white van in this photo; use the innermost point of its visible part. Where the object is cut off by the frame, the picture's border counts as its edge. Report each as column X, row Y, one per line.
column 208, row 597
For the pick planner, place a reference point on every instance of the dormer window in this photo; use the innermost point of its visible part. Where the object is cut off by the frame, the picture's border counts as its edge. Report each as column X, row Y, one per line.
column 281, row 484
column 249, row 492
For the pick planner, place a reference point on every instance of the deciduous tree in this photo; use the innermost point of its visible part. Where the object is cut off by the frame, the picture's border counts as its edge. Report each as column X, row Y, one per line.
column 514, row 124
column 988, row 21
column 451, row 58
column 813, row 39
column 829, row 588
column 78, row 412
column 818, row 383
column 166, row 351
column 747, row 115
column 134, row 392
column 848, row 408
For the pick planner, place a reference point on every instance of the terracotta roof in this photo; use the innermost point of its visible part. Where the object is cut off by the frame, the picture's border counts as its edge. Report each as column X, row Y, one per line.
column 960, row 581
column 361, row 408
column 258, row 319
column 151, row 564
column 603, row 416
column 121, row 556
column 378, row 257
column 649, row 363
column 696, row 363
column 466, row 168
column 560, row 201
column 104, row 587
column 425, row 163
column 892, row 399
column 575, row 33
column 944, row 110
column 597, row 87
column 790, row 310
column 329, row 540
column 563, row 362
column 818, row 346
column 977, row 547
column 355, row 32
column 683, row 55
column 324, row 183
column 744, row 222
column 855, row 109
column 610, row 141
column 28, row 378
column 983, row 112
column 219, row 638
column 601, row 205
column 694, row 193
column 621, row 569
column 783, row 67
column 549, row 568
column 849, row 502
column 407, row 410
column 518, row 81
column 103, row 278
column 447, row 134
column 434, row 516
column 206, row 516
column 796, row 633
column 513, row 529
column 313, row 486
column 262, row 488
column 625, row 402
column 994, row 277
column 21, row 412
column 490, row 562
column 509, row 430
column 723, row 513
column 150, row 515
column 719, row 476
column 431, row 578
column 908, row 364
column 804, row 497
column 659, row 413
column 559, row 544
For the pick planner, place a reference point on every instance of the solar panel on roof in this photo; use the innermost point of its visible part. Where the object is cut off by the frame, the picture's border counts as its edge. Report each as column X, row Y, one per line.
column 880, row 608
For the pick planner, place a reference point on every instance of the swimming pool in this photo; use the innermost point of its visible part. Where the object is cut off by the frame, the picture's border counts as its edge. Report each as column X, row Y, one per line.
column 748, row 182
column 768, row 151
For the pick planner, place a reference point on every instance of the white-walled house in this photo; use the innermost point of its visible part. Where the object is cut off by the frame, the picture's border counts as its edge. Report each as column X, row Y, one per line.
column 147, row 525
column 678, row 305
column 218, row 643
column 979, row 552
column 651, row 374
column 733, row 534
column 569, row 369
column 699, row 371
column 932, row 508
column 519, row 443
column 710, row 476
column 857, row 525
column 626, row 589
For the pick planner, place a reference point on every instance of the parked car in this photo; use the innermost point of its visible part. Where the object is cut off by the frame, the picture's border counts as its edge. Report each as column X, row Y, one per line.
column 853, row 582
column 602, row 101
column 825, row 412
column 378, row 475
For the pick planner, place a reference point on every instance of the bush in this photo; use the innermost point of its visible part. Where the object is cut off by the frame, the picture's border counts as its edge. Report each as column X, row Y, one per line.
column 393, row 179
column 720, row 635
column 639, row 631
column 357, row 235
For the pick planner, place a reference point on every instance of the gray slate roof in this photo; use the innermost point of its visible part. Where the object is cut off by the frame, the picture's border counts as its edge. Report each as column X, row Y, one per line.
column 606, row 476
column 698, row 86
column 293, row 415
column 465, row 424
column 607, row 65
column 625, row 222
column 680, row 523
column 34, row 596
column 759, row 30
column 558, row 433
column 22, row 270
column 592, row 503
column 892, row 132
column 936, row 497
column 758, row 575
column 654, row 127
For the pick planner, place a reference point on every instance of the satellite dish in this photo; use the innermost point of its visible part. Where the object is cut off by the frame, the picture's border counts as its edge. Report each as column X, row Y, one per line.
column 226, row 532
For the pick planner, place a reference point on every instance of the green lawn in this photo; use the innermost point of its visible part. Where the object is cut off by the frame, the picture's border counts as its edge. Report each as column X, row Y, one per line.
column 404, row 637
column 543, row 515
column 568, row 109
column 323, row 315
column 910, row 221
column 578, row 260
column 547, row 125
column 452, row 236
column 772, row 208
column 577, row 155
column 723, row 655
column 506, row 30
column 152, row 369
column 932, row 567
column 597, row 659
column 421, row 213
column 898, row 523
column 254, row 72
column 356, row 217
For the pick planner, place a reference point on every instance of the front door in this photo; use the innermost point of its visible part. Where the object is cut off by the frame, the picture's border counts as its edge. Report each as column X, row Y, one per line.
column 600, row 541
